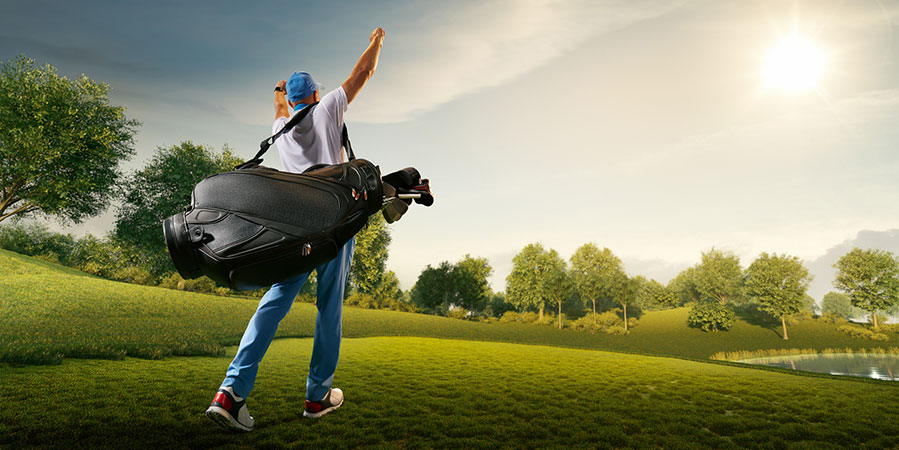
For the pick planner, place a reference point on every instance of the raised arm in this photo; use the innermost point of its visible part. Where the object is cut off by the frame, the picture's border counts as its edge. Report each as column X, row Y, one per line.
column 365, row 67
column 281, row 107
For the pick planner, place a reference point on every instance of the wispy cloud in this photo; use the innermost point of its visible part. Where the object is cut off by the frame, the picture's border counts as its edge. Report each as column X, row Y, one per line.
column 454, row 52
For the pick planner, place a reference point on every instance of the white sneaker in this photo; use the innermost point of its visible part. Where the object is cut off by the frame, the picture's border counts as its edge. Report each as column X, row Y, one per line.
column 230, row 411
column 332, row 400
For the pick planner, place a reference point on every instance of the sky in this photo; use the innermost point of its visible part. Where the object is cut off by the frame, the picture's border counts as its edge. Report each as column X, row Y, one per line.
column 648, row 127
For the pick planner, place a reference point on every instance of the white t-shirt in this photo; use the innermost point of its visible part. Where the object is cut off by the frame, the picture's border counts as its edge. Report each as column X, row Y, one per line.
column 317, row 138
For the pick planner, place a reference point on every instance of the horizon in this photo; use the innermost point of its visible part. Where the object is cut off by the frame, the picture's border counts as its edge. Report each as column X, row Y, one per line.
column 646, row 127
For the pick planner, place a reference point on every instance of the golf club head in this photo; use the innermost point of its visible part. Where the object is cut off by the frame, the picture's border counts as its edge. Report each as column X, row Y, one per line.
column 394, row 209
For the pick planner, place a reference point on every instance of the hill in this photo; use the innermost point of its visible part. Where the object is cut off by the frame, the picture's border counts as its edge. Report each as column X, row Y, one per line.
column 48, row 312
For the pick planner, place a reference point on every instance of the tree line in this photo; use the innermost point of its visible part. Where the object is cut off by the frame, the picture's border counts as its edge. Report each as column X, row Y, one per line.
column 774, row 284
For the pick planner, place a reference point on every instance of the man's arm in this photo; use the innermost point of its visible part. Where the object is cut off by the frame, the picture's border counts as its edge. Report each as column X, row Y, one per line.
column 281, row 108
column 365, row 67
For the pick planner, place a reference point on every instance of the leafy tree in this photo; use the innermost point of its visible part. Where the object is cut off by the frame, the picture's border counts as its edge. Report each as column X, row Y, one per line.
column 36, row 239
column 655, row 295
column 433, row 289
column 837, row 304
column 370, row 256
column 718, row 276
column 524, row 285
column 592, row 271
column 555, row 281
column 778, row 283
column 387, row 293
column 469, row 283
column 162, row 188
column 61, row 143
column 624, row 292
column 710, row 315
column 870, row 278
column 684, row 286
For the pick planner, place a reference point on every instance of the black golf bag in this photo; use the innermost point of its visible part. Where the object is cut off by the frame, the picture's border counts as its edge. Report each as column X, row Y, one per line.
column 255, row 226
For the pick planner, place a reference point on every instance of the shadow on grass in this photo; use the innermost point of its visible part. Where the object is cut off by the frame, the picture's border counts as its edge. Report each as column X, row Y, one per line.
column 753, row 316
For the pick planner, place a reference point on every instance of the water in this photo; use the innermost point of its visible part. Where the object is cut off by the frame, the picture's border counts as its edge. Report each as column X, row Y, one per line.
column 881, row 367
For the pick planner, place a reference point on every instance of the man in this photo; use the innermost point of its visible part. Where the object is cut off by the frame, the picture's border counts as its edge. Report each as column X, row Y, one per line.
column 315, row 140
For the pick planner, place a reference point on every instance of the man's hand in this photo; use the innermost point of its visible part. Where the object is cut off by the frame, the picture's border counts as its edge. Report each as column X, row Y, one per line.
column 281, row 107
column 377, row 34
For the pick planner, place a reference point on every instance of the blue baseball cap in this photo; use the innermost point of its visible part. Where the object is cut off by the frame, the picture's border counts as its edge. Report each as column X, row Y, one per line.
column 299, row 86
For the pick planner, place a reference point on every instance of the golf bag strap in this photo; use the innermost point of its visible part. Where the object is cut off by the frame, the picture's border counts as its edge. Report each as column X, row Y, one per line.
column 264, row 145
column 345, row 140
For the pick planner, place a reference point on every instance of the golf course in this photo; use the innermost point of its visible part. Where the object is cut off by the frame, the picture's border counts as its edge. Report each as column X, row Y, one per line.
column 89, row 363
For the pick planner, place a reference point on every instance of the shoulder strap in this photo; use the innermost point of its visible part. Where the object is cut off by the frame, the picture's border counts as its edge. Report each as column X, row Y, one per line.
column 264, row 145
column 345, row 139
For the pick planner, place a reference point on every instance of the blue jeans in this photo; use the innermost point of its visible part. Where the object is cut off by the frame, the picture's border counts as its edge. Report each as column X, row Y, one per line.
column 332, row 278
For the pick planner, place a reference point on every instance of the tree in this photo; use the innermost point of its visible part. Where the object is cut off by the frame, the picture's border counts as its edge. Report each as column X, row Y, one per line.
column 524, row 283
column 718, row 276
column 370, row 256
column 592, row 271
column 624, row 292
column 837, row 304
column 684, row 286
column 778, row 283
column 162, row 188
column 61, row 143
column 555, row 283
column 433, row 289
column 870, row 278
column 655, row 295
column 469, row 283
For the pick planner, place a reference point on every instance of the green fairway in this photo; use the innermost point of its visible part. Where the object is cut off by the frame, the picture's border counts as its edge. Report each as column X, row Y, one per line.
column 48, row 312
column 421, row 393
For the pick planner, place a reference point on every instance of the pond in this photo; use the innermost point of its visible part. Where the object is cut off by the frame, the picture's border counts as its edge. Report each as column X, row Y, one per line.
column 881, row 367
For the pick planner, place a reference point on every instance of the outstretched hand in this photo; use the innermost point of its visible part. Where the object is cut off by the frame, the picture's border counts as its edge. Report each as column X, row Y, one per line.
column 377, row 34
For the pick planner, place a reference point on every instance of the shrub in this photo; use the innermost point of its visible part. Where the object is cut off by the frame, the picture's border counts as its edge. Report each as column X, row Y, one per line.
column 711, row 316
column 864, row 333
column 832, row 318
column 360, row 299
column 458, row 313
column 510, row 316
column 202, row 284
column 135, row 275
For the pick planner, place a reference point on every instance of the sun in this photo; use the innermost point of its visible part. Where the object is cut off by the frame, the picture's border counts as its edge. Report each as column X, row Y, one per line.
column 794, row 65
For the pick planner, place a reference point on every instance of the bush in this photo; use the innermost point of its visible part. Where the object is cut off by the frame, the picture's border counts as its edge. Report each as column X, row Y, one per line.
column 510, row 316
column 710, row 316
column 202, row 284
column 607, row 322
column 458, row 313
column 832, row 318
column 864, row 333
column 134, row 275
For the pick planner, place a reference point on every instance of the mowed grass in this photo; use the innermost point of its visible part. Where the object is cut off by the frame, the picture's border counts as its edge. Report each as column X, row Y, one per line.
column 48, row 312
column 406, row 392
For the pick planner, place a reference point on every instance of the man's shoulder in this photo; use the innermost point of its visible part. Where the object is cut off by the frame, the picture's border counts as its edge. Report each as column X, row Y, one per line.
column 337, row 96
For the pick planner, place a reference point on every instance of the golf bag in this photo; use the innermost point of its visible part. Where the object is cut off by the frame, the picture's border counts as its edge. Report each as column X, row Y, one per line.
column 255, row 226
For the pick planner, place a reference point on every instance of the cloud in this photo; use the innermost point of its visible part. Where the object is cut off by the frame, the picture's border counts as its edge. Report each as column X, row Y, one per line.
column 451, row 53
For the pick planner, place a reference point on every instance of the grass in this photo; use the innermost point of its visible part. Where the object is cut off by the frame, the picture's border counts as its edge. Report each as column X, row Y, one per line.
column 48, row 312
column 750, row 354
column 476, row 387
column 407, row 392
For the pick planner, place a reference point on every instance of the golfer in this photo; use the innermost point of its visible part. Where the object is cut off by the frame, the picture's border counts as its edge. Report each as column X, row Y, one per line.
column 315, row 140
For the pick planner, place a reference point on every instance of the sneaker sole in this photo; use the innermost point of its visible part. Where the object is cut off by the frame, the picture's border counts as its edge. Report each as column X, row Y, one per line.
column 320, row 413
column 224, row 420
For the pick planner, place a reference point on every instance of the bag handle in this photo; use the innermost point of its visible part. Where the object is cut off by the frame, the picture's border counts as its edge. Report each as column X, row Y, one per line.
column 264, row 145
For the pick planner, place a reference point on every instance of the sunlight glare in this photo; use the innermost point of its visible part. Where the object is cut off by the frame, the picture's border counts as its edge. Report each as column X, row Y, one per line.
column 794, row 64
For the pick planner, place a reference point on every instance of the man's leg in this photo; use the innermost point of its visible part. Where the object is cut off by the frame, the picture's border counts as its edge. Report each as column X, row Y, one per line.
column 272, row 308
column 332, row 278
